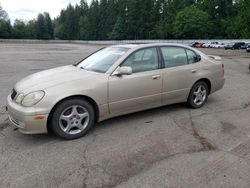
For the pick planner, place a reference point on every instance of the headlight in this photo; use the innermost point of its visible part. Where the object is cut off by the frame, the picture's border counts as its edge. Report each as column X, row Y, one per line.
column 19, row 98
column 32, row 98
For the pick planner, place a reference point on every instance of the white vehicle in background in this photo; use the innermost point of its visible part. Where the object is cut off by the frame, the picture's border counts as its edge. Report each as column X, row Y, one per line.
column 209, row 44
column 214, row 45
column 220, row 45
column 206, row 45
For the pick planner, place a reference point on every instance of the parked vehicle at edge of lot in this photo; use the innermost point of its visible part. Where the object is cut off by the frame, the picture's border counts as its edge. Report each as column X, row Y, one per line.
column 113, row 81
column 209, row 44
column 199, row 45
column 220, row 45
column 244, row 46
column 206, row 45
column 248, row 48
column 234, row 45
column 193, row 44
column 215, row 45
column 196, row 44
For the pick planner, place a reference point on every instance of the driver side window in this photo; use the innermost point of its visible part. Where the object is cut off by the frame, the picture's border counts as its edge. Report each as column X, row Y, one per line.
column 143, row 60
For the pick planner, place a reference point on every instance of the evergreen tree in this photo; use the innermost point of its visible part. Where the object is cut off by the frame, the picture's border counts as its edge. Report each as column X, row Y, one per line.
column 94, row 19
column 19, row 30
column 42, row 29
column 84, row 25
column 5, row 26
column 59, row 30
column 49, row 25
column 192, row 23
column 68, row 23
column 31, row 29
column 5, row 29
column 241, row 22
column 119, row 31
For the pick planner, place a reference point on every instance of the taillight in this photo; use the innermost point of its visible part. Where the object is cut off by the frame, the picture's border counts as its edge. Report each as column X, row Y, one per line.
column 223, row 68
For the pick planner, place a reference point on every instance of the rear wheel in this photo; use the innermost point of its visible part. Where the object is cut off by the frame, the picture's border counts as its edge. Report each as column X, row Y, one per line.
column 198, row 95
column 72, row 118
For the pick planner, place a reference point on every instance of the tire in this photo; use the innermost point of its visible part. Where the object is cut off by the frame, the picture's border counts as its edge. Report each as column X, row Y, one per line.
column 72, row 118
column 198, row 95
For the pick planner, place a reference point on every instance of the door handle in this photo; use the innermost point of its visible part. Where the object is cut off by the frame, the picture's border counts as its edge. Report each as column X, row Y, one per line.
column 156, row 77
column 195, row 70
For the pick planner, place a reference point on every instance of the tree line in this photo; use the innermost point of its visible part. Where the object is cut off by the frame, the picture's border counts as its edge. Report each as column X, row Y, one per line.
column 137, row 19
column 41, row 28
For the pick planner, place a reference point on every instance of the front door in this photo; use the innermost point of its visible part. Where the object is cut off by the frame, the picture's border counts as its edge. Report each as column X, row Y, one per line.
column 140, row 90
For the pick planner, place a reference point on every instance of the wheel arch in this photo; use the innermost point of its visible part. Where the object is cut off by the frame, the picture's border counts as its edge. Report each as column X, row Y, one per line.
column 83, row 97
column 207, row 81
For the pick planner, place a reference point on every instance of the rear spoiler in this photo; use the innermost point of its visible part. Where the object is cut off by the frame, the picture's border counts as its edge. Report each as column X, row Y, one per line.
column 216, row 58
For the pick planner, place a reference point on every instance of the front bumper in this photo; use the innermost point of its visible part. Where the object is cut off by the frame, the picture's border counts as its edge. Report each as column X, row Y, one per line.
column 24, row 118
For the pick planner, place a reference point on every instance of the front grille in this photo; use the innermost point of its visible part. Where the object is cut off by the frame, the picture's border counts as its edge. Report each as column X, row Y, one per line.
column 13, row 94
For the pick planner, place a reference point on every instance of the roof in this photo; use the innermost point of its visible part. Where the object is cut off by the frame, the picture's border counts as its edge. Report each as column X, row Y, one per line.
column 127, row 45
column 131, row 46
column 139, row 46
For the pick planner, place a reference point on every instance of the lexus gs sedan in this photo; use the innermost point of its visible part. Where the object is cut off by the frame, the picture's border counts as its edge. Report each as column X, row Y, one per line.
column 113, row 81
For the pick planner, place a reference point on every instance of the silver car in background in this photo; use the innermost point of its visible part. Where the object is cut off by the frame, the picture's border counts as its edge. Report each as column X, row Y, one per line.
column 113, row 81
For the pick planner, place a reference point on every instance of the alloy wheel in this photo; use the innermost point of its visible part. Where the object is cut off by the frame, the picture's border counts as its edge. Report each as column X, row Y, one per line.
column 74, row 119
column 199, row 95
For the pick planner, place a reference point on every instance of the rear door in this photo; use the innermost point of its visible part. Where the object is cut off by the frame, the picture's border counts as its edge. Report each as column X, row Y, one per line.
column 180, row 73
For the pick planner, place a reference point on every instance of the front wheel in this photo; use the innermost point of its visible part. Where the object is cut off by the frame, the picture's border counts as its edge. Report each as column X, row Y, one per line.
column 72, row 118
column 198, row 95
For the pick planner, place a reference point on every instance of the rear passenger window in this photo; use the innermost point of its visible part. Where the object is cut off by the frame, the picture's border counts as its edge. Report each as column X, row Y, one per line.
column 192, row 57
column 174, row 56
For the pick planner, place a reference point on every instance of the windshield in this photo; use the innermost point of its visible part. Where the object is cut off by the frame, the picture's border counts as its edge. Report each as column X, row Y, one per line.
column 102, row 60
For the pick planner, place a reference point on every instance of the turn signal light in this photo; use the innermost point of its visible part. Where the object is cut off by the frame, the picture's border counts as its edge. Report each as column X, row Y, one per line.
column 39, row 117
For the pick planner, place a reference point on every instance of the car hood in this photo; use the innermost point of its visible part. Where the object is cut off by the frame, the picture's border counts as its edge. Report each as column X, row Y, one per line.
column 52, row 77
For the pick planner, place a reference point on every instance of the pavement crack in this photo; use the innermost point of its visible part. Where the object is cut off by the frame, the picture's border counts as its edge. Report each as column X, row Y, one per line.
column 192, row 130
column 119, row 179
column 85, row 163
column 207, row 146
column 246, row 105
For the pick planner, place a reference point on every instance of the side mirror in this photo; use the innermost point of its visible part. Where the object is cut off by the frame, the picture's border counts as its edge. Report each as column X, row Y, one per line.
column 124, row 71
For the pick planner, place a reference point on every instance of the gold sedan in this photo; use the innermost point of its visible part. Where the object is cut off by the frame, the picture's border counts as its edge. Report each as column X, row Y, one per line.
column 113, row 81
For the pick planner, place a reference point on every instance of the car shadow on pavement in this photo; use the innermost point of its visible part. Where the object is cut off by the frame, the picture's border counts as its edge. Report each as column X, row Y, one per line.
column 146, row 116
column 152, row 115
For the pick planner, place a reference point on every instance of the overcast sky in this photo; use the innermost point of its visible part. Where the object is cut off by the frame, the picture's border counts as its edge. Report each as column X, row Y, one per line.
column 28, row 9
